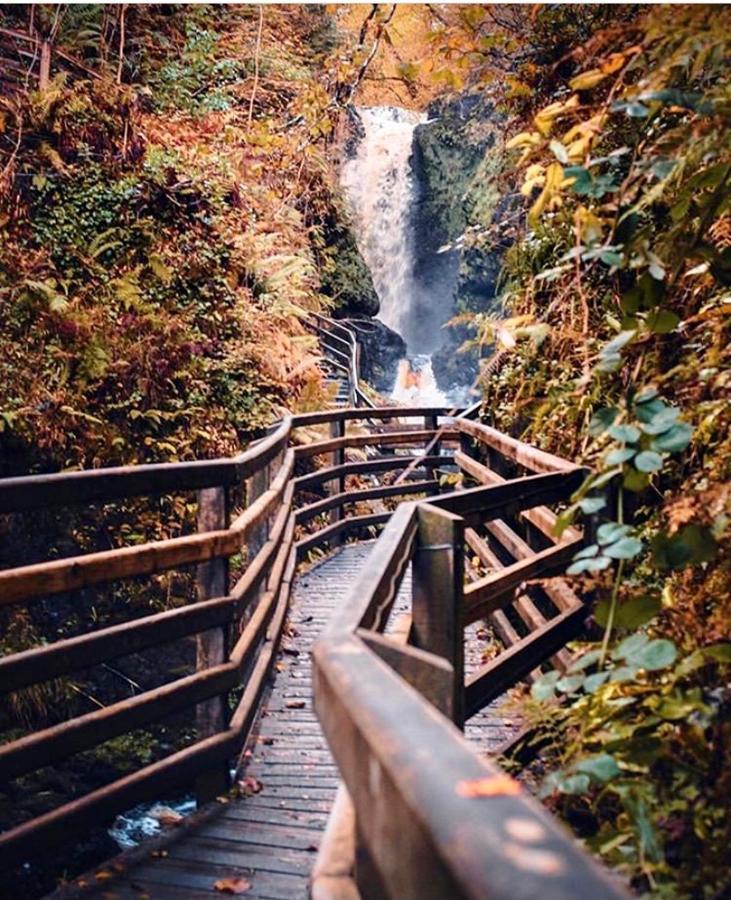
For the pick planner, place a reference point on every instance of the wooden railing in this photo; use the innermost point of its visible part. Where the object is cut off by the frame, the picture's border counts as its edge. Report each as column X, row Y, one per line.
column 291, row 506
column 419, row 814
column 391, row 704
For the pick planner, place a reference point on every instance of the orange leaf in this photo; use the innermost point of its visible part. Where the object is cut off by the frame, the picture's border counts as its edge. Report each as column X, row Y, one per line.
column 232, row 885
column 494, row 786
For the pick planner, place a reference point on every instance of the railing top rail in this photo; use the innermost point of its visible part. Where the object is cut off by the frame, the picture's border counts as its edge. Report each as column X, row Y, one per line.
column 106, row 484
column 501, row 845
column 524, row 454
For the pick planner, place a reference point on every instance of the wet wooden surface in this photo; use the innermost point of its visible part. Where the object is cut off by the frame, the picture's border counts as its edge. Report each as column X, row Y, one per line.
column 271, row 838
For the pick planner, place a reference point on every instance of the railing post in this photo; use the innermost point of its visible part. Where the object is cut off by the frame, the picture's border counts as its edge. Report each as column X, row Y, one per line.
column 211, row 646
column 337, row 486
column 431, row 424
column 367, row 877
column 437, row 593
column 255, row 487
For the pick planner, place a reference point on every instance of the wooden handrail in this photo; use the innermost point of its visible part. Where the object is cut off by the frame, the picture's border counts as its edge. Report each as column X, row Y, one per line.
column 362, row 694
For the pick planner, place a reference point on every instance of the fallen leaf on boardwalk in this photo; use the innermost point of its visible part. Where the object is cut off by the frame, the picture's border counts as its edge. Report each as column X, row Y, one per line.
column 494, row 786
column 103, row 875
column 232, row 885
column 169, row 817
column 295, row 704
column 250, row 785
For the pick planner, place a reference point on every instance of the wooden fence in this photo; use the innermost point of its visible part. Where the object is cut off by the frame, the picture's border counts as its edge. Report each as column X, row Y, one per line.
column 390, row 709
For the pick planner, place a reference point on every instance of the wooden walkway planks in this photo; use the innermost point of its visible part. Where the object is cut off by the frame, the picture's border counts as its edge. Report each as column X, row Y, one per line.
column 271, row 837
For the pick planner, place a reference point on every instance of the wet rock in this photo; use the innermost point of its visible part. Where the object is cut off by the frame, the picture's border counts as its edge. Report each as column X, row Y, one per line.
column 458, row 157
column 380, row 352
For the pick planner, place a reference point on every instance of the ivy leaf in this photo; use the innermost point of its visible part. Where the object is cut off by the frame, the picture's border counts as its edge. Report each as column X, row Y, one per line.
column 674, row 440
column 585, row 660
column 602, row 419
column 648, row 461
column 635, row 481
column 627, row 548
column 637, row 611
column 662, row 421
column 690, row 545
column 574, row 784
column 596, row 564
column 658, row 654
column 591, row 505
column 662, row 321
column 595, row 681
column 602, row 767
column 570, row 683
column 626, row 433
column 630, row 645
column 617, row 457
column 611, row 531
column 545, row 687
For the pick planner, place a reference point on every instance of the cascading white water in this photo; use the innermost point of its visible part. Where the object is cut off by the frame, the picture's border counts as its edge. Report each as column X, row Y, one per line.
column 380, row 186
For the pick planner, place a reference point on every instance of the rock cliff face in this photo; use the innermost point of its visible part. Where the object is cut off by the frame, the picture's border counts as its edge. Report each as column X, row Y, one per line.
column 457, row 156
column 381, row 349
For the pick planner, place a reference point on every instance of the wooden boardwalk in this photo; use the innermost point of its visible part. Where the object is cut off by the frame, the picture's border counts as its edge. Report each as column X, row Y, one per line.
column 271, row 837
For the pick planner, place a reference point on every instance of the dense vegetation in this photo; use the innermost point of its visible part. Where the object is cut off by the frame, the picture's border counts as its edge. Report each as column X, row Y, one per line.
column 613, row 340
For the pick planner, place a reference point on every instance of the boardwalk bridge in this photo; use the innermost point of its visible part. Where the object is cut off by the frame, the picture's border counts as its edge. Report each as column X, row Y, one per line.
column 365, row 763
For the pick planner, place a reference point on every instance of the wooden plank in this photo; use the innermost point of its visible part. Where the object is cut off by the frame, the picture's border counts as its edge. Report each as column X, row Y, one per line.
column 74, row 573
column 437, row 579
column 87, row 650
column 372, row 595
column 427, row 836
column 338, row 529
column 306, row 513
column 388, row 439
column 515, row 663
column 50, row 745
column 543, row 519
column 123, row 482
column 524, row 454
column 495, row 590
column 431, row 675
column 367, row 467
column 379, row 413
column 481, row 504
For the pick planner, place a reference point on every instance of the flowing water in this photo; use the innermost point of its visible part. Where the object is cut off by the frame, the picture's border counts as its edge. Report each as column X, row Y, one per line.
column 382, row 191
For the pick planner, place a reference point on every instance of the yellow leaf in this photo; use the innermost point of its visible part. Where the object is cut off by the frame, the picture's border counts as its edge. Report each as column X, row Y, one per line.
column 525, row 138
column 545, row 118
column 613, row 63
column 549, row 195
column 590, row 226
column 587, row 80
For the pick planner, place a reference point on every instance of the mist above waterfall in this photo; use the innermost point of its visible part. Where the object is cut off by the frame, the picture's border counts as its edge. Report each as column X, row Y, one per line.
column 383, row 192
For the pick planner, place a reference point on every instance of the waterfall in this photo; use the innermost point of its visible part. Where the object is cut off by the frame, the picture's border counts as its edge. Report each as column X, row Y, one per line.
column 379, row 185
column 381, row 189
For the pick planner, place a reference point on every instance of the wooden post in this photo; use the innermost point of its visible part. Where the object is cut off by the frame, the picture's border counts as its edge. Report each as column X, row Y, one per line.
column 211, row 645
column 255, row 487
column 44, row 71
column 437, row 593
column 367, row 877
column 431, row 424
column 337, row 486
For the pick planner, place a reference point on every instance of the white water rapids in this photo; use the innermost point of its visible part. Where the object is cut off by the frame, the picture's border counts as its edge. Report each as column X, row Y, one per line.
column 381, row 189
